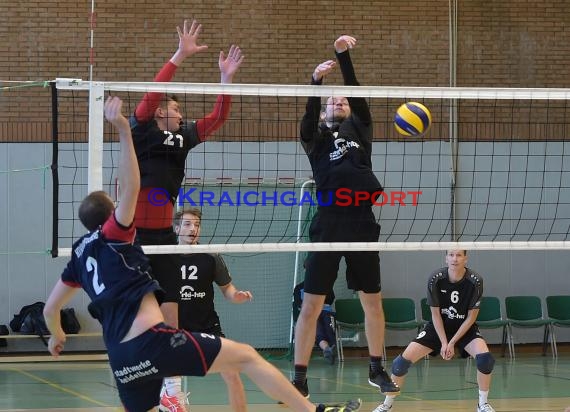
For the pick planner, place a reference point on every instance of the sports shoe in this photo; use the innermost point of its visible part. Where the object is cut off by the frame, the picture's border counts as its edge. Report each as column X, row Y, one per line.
column 485, row 408
column 349, row 406
column 173, row 403
column 330, row 354
column 303, row 389
column 382, row 408
column 382, row 380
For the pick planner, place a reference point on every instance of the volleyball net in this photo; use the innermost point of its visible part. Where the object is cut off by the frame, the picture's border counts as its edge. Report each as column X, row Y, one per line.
column 492, row 171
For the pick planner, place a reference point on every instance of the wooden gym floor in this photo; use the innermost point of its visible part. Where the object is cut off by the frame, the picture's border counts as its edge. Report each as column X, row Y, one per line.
column 529, row 383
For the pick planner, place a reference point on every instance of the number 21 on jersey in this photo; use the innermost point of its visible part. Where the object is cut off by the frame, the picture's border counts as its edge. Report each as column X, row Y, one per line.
column 173, row 139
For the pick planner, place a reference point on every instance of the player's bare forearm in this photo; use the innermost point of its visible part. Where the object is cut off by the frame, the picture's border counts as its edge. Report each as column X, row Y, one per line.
column 465, row 326
column 438, row 325
column 59, row 296
column 128, row 171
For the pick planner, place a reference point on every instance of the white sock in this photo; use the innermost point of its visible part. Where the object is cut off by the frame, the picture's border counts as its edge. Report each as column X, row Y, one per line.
column 483, row 397
column 389, row 401
column 173, row 385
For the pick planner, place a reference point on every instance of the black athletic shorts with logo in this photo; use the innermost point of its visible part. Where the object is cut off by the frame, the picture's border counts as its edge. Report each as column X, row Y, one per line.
column 140, row 364
column 428, row 337
column 342, row 225
column 215, row 330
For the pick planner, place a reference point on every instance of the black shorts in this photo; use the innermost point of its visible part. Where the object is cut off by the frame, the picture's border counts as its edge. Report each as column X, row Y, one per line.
column 428, row 338
column 140, row 364
column 362, row 268
column 215, row 330
column 163, row 266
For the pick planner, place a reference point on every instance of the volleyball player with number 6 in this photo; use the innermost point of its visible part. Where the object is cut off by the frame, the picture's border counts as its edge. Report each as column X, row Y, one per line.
column 454, row 295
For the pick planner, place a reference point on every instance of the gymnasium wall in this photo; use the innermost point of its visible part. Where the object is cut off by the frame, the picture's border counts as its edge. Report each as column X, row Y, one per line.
column 512, row 43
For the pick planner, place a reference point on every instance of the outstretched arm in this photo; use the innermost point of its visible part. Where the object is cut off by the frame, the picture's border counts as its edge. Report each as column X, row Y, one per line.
column 311, row 118
column 187, row 46
column 129, row 175
column 358, row 105
column 229, row 65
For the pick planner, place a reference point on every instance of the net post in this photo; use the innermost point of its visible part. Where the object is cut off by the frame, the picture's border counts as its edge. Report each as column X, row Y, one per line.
column 297, row 253
column 95, row 145
column 54, row 172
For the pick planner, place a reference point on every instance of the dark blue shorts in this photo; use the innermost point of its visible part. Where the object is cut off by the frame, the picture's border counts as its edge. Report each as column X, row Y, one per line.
column 362, row 268
column 325, row 328
column 140, row 364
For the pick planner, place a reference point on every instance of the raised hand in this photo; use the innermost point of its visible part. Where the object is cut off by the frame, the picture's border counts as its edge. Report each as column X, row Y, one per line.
column 229, row 65
column 323, row 69
column 188, row 41
column 113, row 113
column 344, row 43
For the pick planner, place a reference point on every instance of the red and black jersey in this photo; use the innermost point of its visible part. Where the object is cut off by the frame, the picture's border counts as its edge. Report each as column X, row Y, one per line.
column 340, row 156
column 115, row 275
column 454, row 299
column 162, row 154
column 192, row 287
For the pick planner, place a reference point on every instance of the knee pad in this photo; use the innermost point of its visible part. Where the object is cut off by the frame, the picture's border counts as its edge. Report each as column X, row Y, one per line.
column 400, row 366
column 485, row 362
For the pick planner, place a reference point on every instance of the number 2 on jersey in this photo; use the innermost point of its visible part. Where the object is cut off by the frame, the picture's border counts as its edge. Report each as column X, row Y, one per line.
column 189, row 274
column 91, row 265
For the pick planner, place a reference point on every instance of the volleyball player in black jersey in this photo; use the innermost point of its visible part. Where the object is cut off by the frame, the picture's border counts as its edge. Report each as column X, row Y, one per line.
column 197, row 272
column 115, row 274
column 338, row 143
column 454, row 295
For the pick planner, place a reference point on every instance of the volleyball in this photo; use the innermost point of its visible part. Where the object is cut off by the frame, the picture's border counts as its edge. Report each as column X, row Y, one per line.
column 412, row 119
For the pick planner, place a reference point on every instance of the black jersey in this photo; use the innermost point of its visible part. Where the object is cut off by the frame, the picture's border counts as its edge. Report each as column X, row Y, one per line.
column 194, row 283
column 162, row 154
column 454, row 299
column 115, row 275
column 340, row 156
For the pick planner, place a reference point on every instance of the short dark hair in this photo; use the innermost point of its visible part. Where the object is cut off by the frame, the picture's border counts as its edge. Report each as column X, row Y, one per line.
column 167, row 98
column 95, row 209
column 464, row 251
column 187, row 210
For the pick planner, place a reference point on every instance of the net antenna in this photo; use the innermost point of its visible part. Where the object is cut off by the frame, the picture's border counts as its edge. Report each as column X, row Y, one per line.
column 506, row 188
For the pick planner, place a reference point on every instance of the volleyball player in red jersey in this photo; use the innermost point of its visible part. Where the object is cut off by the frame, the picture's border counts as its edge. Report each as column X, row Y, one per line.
column 162, row 140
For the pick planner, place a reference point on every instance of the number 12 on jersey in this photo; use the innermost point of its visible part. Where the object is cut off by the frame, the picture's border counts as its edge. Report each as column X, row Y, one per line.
column 189, row 273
